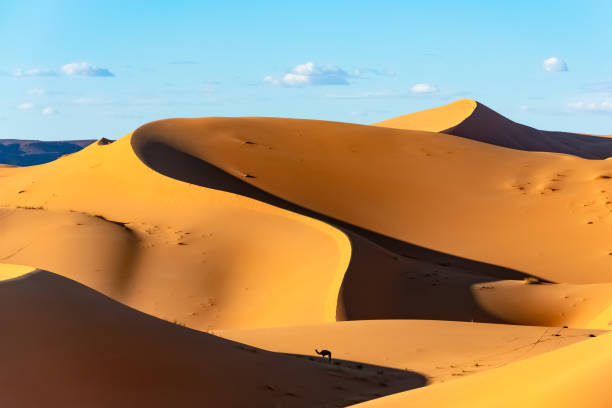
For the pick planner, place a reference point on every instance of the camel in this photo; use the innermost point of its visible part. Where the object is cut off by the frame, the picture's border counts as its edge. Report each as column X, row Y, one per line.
column 324, row 353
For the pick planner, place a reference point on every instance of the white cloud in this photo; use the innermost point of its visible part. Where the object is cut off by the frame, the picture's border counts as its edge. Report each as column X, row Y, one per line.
column 36, row 91
column 33, row 72
column 364, row 72
column 554, row 64
column 424, row 88
column 25, row 106
column 601, row 87
column 365, row 95
column 311, row 74
column 48, row 111
column 84, row 101
column 271, row 80
column 603, row 106
column 86, row 69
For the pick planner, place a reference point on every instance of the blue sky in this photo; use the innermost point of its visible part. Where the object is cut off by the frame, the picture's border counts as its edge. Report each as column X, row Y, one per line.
column 90, row 69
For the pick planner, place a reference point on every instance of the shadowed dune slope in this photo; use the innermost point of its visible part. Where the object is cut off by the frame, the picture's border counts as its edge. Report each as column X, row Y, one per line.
column 573, row 376
column 65, row 345
column 473, row 120
column 381, row 285
column 440, row 350
column 459, row 196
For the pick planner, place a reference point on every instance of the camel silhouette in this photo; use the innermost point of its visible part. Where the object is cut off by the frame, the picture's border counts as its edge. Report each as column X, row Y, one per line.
column 324, row 353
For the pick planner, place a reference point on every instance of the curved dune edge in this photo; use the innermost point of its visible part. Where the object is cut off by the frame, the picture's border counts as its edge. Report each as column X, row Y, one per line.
column 586, row 306
column 438, row 119
column 573, row 376
column 77, row 347
column 380, row 284
column 199, row 256
column 440, row 350
column 414, row 186
column 10, row 271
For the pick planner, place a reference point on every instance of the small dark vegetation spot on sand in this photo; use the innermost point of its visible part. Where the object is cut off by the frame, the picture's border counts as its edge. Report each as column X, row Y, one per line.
column 27, row 207
column 119, row 223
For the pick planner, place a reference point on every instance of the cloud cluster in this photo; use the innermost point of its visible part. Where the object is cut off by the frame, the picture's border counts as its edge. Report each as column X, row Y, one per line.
column 33, row 72
column 602, row 87
column 554, row 64
column 25, row 106
column 424, row 88
column 311, row 74
column 85, row 69
column 73, row 68
column 604, row 106
column 36, row 91
column 28, row 106
column 364, row 72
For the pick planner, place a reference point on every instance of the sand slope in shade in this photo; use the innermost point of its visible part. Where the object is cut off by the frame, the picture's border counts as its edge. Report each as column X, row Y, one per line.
column 473, row 120
column 65, row 345
column 379, row 284
column 573, row 376
column 201, row 257
column 440, row 350
column 415, row 186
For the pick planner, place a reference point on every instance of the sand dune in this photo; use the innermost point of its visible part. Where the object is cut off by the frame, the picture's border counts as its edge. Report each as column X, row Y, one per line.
column 415, row 186
column 440, row 350
column 196, row 256
column 290, row 235
column 573, row 376
column 382, row 285
column 70, row 346
column 473, row 120
column 440, row 119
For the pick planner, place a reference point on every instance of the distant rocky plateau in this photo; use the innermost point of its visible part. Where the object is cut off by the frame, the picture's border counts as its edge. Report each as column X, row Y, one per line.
column 31, row 152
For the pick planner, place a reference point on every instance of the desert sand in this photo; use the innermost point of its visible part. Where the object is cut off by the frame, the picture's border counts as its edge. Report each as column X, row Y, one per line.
column 195, row 257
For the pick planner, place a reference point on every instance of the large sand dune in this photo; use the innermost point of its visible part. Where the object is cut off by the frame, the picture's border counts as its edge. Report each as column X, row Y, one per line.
column 574, row 376
column 290, row 235
column 440, row 350
column 64, row 345
column 473, row 120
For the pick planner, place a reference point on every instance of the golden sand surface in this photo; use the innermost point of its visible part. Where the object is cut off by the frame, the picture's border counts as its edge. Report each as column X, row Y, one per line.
column 450, row 257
